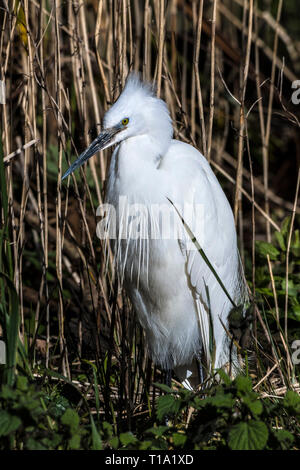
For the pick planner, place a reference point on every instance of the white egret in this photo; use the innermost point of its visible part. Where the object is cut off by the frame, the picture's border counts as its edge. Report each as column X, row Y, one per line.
column 176, row 295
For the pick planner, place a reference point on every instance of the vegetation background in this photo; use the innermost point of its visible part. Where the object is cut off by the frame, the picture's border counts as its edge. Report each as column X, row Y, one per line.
column 77, row 374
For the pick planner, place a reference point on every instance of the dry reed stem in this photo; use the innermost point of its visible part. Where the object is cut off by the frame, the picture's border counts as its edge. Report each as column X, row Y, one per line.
column 266, row 141
column 197, row 77
column 161, row 28
column 95, row 104
column 287, row 259
column 59, row 241
column 212, row 80
column 283, row 339
column 262, row 46
column 239, row 169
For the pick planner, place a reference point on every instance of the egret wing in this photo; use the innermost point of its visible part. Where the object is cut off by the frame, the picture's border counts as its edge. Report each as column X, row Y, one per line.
column 212, row 224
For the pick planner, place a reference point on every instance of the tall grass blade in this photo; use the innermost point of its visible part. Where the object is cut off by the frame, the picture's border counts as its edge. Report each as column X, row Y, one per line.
column 201, row 251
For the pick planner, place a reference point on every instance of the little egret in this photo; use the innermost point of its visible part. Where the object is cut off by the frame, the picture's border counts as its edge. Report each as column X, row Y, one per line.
column 175, row 293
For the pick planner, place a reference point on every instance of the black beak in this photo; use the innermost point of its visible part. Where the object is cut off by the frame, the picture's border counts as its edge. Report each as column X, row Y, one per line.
column 104, row 140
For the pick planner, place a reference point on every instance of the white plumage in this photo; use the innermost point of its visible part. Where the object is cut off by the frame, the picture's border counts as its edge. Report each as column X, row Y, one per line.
column 169, row 284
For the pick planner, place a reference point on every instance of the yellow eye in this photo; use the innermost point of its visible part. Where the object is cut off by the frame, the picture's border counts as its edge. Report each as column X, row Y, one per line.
column 125, row 121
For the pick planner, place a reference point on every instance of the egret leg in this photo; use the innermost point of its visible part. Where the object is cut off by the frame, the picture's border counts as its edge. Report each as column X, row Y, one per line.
column 168, row 377
column 200, row 372
column 200, row 375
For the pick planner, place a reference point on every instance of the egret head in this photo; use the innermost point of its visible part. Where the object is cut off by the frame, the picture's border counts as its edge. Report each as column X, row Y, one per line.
column 136, row 112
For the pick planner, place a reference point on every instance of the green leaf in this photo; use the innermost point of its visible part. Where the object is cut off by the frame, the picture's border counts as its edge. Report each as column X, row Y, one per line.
column 167, row 404
column 220, row 400
column 114, row 442
column 52, row 442
column 292, row 289
column 164, row 387
column 8, row 423
column 295, row 313
column 292, row 402
column 280, row 240
column 107, row 427
column 254, row 405
column 265, row 291
column 22, row 383
column 145, row 445
column 74, row 442
column 285, row 438
column 7, row 393
column 243, row 384
column 264, row 249
column 33, row 444
column 223, row 376
column 127, row 438
column 179, row 439
column 58, row 406
column 285, row 226
column 157, row 431
column 71, row 419
column 252, row 435
column 295, row 243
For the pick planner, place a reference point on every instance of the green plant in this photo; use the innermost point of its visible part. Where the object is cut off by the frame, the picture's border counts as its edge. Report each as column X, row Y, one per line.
column 231, row 416
column 34, row 419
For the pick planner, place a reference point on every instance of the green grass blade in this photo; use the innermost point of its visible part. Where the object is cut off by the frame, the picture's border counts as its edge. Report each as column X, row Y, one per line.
column 96, row 439
column 11, row 330
column 200, row 250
